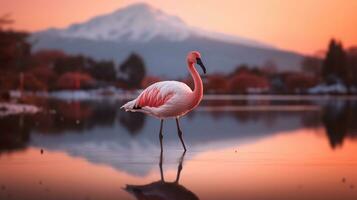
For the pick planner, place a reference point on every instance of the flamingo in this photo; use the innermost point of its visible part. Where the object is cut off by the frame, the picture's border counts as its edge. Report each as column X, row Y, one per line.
column 171, row 99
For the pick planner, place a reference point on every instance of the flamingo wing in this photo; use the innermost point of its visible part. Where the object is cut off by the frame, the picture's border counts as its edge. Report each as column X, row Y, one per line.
column 154, row 96
column 161, row 99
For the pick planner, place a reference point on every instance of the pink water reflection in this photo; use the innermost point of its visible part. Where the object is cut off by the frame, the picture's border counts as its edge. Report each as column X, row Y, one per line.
column 298, row 165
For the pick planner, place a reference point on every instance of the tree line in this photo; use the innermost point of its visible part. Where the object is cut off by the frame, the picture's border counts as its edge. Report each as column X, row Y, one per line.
column 338, row 66
column 48, row 70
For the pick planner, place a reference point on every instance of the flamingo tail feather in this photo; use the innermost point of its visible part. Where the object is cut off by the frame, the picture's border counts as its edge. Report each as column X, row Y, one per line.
column 130, row 106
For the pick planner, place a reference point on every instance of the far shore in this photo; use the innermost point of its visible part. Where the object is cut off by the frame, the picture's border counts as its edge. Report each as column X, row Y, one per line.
column 123, row 95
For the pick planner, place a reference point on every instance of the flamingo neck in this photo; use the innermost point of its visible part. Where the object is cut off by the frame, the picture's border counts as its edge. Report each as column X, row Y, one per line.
column 197, row 93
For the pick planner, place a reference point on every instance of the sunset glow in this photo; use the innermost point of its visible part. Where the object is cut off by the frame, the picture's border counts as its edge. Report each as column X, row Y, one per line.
column 304, row 26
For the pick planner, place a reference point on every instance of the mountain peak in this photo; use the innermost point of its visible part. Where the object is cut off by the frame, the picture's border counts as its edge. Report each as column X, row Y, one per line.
column 137, row 22
column 138, row 7
column 140, row 22
column 135, row 9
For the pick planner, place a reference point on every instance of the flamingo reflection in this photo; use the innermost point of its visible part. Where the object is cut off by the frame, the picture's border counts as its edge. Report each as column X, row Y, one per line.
column 162, row 190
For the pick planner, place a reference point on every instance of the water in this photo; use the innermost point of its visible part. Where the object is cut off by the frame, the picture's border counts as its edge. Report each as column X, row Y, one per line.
column 238, row 148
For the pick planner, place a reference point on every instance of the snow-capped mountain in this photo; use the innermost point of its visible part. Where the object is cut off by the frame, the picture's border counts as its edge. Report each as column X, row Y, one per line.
column 139, row 23
column 142, row 23
column 156, row 35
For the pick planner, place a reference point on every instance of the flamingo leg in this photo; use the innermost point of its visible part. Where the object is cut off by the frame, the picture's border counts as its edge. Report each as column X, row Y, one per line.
column 179, row 132
column 180, row 167
column 160, row 134
column 160, row 165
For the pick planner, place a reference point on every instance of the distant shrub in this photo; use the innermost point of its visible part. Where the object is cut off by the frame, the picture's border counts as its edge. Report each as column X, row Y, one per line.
column 8, row 81
column 216, row 84
column 47, row 57
column 32, row 83
column 299, row 82
column 245, row 82
column 132, row 71
column 103, row 71
column 74, row 80
column 45, row 75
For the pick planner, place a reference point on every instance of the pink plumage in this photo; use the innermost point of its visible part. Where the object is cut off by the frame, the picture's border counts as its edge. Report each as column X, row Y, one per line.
column 153, row 98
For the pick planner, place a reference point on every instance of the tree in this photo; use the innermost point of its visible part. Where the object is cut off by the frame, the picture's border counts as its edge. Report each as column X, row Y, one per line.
column 47, row 57
column 46, row 75
column 32, row 83
column 133, row 71
column 5, row 20
column 269, row 67
column 103, row 70
column 74, row 80
column 245, row 82
column 334, row 65
column 311, row 65
column 15, row 54
column 73, row 63
column 299, row 82
column 216, row 84
column 352, row 65
column 243, row 68
column 15, row 51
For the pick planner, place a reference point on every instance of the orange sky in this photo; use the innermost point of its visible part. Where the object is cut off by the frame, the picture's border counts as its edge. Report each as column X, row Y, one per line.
column 299, row 25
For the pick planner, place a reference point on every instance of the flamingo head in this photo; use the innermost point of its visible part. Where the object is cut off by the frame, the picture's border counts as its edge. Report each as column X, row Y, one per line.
column 195, row 57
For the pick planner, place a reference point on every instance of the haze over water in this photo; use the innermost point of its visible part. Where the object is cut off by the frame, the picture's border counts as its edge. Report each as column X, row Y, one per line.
column 237, row 149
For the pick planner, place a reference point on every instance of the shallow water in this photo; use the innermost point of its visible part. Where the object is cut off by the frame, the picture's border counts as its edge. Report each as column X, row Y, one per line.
column 237, row 149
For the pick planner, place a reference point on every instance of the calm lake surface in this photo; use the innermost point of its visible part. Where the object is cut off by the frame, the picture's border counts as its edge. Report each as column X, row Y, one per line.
column 238, row 148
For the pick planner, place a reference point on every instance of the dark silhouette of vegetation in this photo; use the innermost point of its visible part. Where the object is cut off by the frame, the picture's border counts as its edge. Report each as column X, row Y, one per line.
column 5, row 20
column 352, row 66
column 72, row 63
column 103, row 71
column 334, row 65
column 14, row 58
column 245, row 80
column 74, row 80
column 52, row 69
column 299, row 82
column 312, row 66
column 14, row 50
column 340, row 65
column 133, row 71
column 216, row 84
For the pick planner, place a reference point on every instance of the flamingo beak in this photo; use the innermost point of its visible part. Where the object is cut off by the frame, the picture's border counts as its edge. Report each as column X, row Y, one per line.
column 199, row 62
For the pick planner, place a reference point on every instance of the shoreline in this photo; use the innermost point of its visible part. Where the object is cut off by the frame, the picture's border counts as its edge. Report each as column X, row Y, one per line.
column 115, row 94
